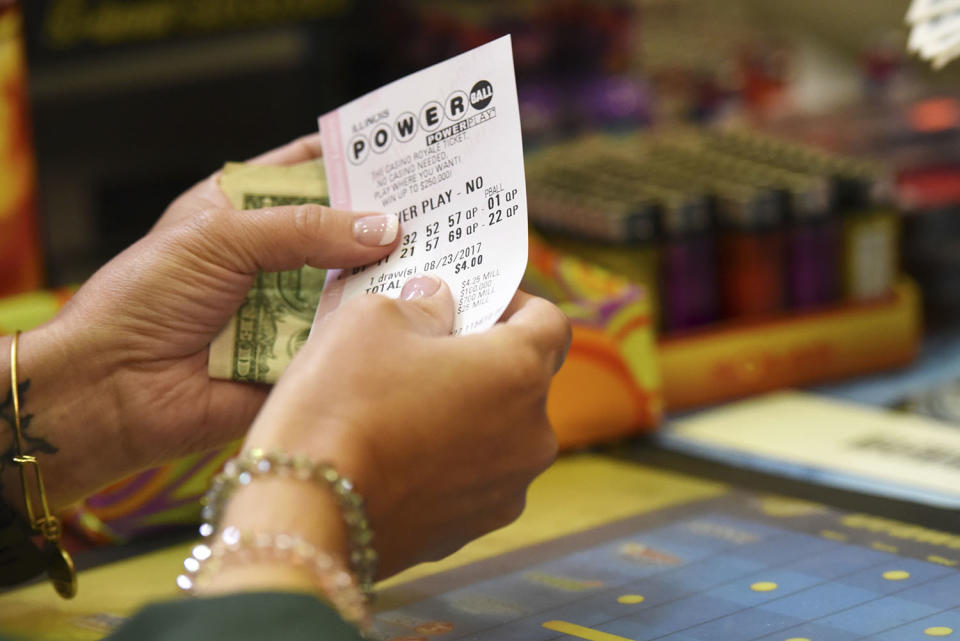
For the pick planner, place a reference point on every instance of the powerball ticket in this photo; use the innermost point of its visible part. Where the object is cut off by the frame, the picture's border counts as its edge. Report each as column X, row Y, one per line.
column 440, row 149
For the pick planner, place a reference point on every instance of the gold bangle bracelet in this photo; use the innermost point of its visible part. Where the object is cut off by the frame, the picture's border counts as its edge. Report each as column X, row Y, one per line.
column 60, row 567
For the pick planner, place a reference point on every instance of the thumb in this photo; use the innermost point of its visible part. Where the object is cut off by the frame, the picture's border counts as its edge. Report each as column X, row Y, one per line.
column 427, row 303
column 288, row 237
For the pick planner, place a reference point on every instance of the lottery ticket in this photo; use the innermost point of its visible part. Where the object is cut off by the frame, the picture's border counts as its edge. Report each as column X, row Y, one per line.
column 441, row 150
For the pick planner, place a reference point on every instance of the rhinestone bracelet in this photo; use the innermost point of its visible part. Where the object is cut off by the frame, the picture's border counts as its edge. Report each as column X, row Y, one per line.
column 232, row 546
column 243, row 469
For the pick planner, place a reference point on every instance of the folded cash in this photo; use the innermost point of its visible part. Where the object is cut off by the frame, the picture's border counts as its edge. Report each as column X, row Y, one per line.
column 275, row 317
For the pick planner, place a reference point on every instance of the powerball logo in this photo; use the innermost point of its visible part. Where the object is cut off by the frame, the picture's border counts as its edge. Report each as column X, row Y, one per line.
column 459, row 112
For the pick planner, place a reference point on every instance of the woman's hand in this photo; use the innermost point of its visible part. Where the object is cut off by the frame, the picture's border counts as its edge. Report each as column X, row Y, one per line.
column 441, row 434
column 118, row 381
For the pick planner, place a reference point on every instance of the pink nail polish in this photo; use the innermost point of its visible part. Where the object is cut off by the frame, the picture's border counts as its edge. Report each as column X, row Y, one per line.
column 376, row 230
column 420, row 287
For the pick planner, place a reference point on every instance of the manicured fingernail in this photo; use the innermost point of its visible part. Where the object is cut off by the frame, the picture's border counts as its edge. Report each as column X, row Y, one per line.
column 376, row 230
column 420, row 287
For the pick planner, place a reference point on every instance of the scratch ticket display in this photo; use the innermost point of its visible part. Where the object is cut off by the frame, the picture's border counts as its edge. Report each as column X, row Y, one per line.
column 441, row 150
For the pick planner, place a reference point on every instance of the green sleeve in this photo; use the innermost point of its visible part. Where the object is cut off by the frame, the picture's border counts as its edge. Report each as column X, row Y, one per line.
column 263, row 616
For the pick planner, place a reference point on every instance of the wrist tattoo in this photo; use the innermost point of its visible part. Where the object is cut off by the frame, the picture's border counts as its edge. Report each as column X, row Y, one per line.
column 20, row 559
column 31, row 444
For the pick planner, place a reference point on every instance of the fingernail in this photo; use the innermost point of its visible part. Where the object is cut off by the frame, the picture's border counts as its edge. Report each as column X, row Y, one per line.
column 376, row 230
column 420, row 287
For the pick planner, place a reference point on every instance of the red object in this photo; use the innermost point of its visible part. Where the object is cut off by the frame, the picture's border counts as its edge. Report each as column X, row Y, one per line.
column 928, row 188
column 934, row 115
column 752, row 273
column 20, row 268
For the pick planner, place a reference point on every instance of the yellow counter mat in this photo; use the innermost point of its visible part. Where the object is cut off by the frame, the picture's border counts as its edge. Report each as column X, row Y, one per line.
column 577, row 493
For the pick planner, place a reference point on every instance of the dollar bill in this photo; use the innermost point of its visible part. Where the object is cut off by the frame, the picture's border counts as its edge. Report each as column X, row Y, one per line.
column 275, row 317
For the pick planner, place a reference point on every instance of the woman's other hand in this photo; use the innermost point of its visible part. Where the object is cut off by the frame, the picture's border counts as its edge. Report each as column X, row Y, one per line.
column 441, row 434
column 118, row 380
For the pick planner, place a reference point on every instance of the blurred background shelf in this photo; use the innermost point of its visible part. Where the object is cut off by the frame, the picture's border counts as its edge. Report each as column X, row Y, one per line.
column 112, row 108
column 707, row 367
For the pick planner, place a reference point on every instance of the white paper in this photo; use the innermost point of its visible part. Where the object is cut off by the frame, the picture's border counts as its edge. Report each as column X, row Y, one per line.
column 945, row 56
column 832, row 442
column 935, row 35
column 440, row 149
column 925, row 9
column 923, row 34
